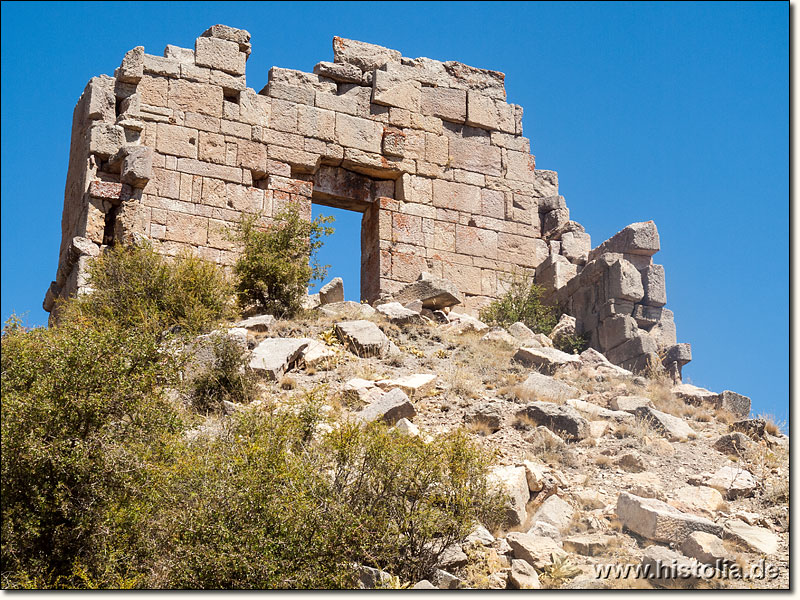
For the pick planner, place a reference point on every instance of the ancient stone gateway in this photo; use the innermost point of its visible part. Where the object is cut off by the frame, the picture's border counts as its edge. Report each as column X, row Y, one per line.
column 177, row 147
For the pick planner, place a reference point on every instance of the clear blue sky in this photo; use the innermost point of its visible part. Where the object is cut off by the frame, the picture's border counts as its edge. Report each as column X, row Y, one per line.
column 676, row 112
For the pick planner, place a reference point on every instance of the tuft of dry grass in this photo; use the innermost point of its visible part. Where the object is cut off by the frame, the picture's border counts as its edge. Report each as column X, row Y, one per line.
column 604, row 462
column 287, row 383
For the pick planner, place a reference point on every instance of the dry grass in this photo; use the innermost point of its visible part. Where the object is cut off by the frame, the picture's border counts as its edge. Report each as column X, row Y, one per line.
column 604, row 462
column 660, row 393
column 287, row 383
column 481, row 565
column 638, row 429
column 479, row 427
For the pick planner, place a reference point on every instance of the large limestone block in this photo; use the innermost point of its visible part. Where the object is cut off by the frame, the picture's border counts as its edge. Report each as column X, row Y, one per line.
column 257, row 323
column 655, row 287
column 734, row 444
column 355, row 132
column 704, row 547
column 397, row 313
column 630, row 403
column 137, row 166
column 563, row 420
column 345, row 310
column 537, row 551
column 474, row 156
column 733, row 481
column 342, row 72
column 363, row 55
column 489, row 113
column 658, row 521
column 546, row 360
column 220, row 54
column 523, row 576
column 100, row 99
column 415, row 384
column 105, row 139
column 555, row 272
column 594, row 411
column 588, row 545
column 672, row 427
column 753, row 538
column 616, row 330
column 556, row 512
column 389, row 408
column 542, row 386
column 132, row 68
column 699, row 499
column 273, row 356
column 636, row 238
column 390, row 90
column 446, row 103
column 435, row 293
column 512, row 480
column 625, row 281
column 636, row 352
column 331, row 292
column 738, row 404
column 575, row 246
column 670, row 569
column 365, row 339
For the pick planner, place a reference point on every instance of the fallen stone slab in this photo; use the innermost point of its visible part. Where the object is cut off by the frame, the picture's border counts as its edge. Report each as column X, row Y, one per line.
column 461, row 323
column 631, row 462
column 754, row 539
column 704, row 548
column 536, row 551
column 348, row 310
column 592, row 358
column 417, row 384
column 523, row 576
column 528, row 338
column 753, row 428
column 452, row 557
column 331, row 292
column 424, row 584
column 369, row 578
column 594, row 412
column 541, row 529
column 500, row 335
column 480, row 535
column 546, row 360
column 542, row 437
column 365, row 339
column 389, row 408
column 361, row 391
column 588, row 545
column 538, row 385
column 316, row 353
column 434, row 293
column 733, row 482
column 488, row 414
column 672, row 427
column 257, row 323
column 564, row 328
column 691, row 394
column 669, row 569
column 535, row 474
column 658, row 521
column 397, row 313
column 274, row 356
column 630, row 403
column 444, row 580
column 735, row 403
column 310, row 302
column 406, row 427
column 563, row 420
column 556, row 512
column 512, row 481
column 734, row 444
column 699, row 499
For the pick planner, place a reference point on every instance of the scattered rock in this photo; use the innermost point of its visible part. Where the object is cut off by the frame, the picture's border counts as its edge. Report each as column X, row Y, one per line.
column 434, row 293
column 361, row 391
column 414, row 385
column 733, row 482
column 446, row 581
column 673, row 570
column 587, row 545
column 488, row 414
column 658, row 521
column 424, row 584
column 546, row 360
column 755, row 539
column 753, row 428
column 310, row 302
column 365, row 339
column 631, row 461
column 348, row 310
column 369, row 578
column 535, row 474
column 556, row 512
column 331, row 292
column 500, row 335
column 593, row 411
column 630, row 403
column 733, row 444
column 397, row 313
column 672, row 427
column 645, row 485
column 691, row 394
column 480, row 535
column 390, row 408
column 315, row 353
column 513, row 481
column 588, row 499
column 597, row 429
column 564, row 328
column 543, row 437
column 660, row 447
column 407, row 427
column 543, row 386
column 731, row 401
column 528, row 338
column 704, row 547
column 452, row 557
column 460, row 323
column 257, row 323
column 542, row 529
column 699, row 499
column 536, row 551
column 564, row 420
column 523, row 576
column 274, row 356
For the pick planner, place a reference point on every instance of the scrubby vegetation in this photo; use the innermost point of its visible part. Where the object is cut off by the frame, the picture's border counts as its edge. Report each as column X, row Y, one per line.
column 278, row 263
column 110, row 480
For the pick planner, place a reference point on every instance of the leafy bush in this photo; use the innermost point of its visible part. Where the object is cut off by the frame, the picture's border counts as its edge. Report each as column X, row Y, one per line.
column 134, row 286
column 226, row 378
column 522, row 302
column 571, row 344
column 80, row 405
column 278, row 263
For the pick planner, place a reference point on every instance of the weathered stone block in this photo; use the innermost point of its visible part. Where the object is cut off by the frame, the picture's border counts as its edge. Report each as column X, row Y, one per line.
column 616, row 330
column 132, row 67
column 624, row 282
column 217, row 53
column 137, row 166
column 474, row 156
column 489, row 113
column 361, row 54
column 654, row 282
column 446, row 103
column 388, row 90
column 362, row 134
column 637, row 238
column 105, row 139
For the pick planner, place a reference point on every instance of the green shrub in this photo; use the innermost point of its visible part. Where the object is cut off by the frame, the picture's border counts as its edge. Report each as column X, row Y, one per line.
column 571, row 344
column 522, row 302
column 278, row 263
column 81, row 404
column 227, row 378
column 135, row 287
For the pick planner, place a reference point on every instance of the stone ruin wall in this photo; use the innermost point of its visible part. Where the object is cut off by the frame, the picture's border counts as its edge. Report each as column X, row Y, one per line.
column 176, row 148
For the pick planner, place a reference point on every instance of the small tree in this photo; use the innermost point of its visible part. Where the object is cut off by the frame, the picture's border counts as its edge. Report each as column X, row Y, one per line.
column 278, row 263
column 522, row 302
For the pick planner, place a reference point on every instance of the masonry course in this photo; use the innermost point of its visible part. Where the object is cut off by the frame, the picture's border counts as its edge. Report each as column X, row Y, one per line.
column 176, row 148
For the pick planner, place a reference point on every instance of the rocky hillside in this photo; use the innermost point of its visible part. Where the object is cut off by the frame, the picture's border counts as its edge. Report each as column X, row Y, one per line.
column 604, row 468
